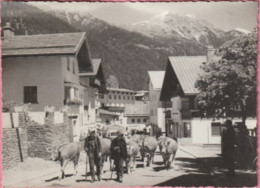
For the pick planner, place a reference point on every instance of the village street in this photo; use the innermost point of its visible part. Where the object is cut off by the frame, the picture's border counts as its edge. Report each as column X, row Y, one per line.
column 204, row 170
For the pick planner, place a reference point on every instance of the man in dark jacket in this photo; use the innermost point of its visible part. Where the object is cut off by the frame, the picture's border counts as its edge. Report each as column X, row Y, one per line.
column 93, row 149
column 229, row 143
column 119, row 153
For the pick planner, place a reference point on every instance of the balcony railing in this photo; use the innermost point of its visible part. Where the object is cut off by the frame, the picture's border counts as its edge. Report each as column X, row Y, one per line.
column 189, row 114
column 74, row 101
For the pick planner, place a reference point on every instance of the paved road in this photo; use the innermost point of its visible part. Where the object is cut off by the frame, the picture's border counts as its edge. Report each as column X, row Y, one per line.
column 205, row 170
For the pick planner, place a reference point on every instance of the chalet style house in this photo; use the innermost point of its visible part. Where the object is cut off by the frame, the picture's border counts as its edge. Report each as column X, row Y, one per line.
column 94, row 83
column 158, row 108
column 186, row 120
column 136, row 116
column 45, row 70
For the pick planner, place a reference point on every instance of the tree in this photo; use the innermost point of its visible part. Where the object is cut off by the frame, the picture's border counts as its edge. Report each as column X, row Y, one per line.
column 112, row 82
column 232, row 80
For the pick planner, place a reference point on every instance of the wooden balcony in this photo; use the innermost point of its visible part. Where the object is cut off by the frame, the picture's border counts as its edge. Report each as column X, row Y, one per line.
column 189, row 114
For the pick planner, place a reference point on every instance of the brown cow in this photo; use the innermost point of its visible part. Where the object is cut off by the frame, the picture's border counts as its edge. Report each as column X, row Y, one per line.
column 148, row 148
column 132, row 152
column 66, row 153
column 168, row 148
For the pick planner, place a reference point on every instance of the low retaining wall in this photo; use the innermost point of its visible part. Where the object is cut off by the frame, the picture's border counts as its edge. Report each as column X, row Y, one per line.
column 41, row 139
column 32, row 139
column 13, row 152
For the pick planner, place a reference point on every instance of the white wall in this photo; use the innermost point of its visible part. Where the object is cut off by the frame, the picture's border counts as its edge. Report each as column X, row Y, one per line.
column 6, row 120
column 58, row 117
column 201, row 132
column 161, row 118
column 37, row 117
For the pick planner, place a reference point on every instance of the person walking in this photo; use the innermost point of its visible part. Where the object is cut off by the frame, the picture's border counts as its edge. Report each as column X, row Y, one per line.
column 229, row 143
column 245, row 147
column 93, row 149
column 119, row 153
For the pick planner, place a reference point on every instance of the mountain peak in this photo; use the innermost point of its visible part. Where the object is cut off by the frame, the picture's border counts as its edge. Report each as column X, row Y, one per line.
column 173, row 25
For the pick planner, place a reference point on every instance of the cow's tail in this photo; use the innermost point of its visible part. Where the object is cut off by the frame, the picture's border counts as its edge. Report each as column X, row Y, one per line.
column 59, row 153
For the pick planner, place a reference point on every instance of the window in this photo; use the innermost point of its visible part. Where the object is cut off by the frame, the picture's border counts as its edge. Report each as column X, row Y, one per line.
column 68, row 63
column 185, row 104
column 101, row 96
column 128, row 97
column 114, row 96
column 119, row 97
column 144, row 120
column 123, row 97
column 133, row 120
column 138, row 120
column 110, row 97
column 30, row 94
column 73, row 67
column 76, row 92
column 215, row 129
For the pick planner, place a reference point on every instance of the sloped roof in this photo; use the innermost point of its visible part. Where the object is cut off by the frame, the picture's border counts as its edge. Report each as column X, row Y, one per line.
column 120, row 89
column 187, row 70
column 137, row 109
column 46, row 44
column 106, row 112
column 96, row 64
column 156, row 78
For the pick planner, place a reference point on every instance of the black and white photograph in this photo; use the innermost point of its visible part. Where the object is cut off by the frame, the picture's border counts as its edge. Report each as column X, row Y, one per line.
column 122, row 94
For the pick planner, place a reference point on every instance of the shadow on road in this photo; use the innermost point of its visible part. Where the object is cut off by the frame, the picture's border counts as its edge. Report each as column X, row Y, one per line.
column 196, row 180
column 57, row 177
column 198, row 174
column 159, row 168
column 88, row 174
column 59, row 185
column 201, row 165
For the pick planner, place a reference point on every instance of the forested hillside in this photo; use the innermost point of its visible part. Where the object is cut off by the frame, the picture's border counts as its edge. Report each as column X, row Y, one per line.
column 126, row 54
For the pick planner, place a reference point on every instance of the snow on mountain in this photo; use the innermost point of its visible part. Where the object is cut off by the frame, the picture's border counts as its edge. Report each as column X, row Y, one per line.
column 73, row 17
column 242, row 30
column 170, row 24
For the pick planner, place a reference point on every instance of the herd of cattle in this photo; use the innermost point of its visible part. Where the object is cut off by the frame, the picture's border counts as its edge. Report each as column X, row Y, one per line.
column 137, row 145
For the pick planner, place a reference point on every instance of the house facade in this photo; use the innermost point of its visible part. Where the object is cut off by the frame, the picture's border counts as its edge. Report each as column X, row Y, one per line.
column 43, row 70
column 186, row 120
column 142, row 96
column 94, row 83
column 136, row 116
column 157, row 108
column 115, row 100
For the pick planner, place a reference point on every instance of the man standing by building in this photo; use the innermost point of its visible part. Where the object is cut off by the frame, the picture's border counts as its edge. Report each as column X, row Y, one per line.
column 229, row 144
column 93, row 149
column 119, row 153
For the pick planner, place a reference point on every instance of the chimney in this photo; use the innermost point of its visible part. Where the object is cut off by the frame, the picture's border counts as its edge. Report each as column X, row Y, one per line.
column 210, row 53
column 8, row 31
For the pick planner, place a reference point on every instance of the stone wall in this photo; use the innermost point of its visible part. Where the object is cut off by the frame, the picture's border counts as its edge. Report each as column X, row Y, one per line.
column 35, row 140
column 42, row 138
column 11, row 155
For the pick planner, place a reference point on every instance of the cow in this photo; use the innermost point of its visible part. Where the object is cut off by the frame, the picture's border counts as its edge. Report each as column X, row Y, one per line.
column 132, row 152
column 168, row 148
column 148, row 147
column 66, row 153
column 105, row 151
column 138, row 138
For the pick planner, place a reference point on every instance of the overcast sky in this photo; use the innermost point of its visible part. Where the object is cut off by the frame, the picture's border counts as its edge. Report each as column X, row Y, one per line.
column 225, row 15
